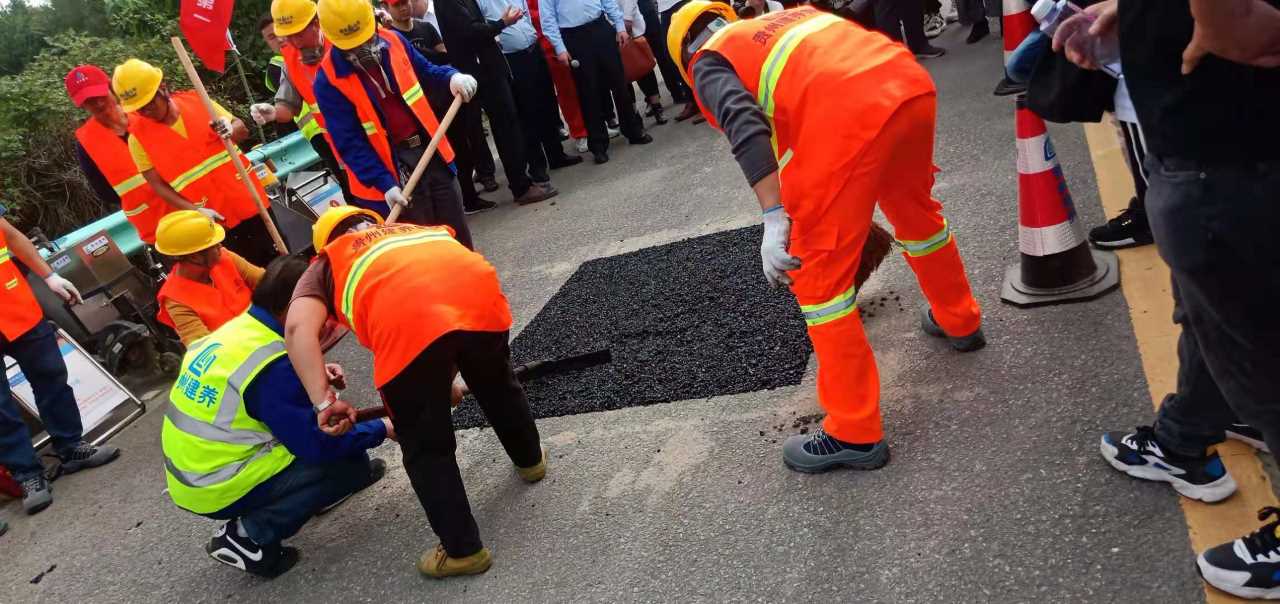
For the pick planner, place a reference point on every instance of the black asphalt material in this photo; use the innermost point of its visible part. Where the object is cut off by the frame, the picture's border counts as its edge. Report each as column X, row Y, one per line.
column 686, row 320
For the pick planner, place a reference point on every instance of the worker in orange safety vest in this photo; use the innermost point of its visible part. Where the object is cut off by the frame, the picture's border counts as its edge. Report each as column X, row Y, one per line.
column 26, row 337
column 208, row 284
column 176, row 146
column 427, row 307
column 102, row 146
column 773, row 85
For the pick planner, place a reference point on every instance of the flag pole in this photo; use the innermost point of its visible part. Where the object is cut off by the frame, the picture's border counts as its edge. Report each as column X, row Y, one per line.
column 248, row 92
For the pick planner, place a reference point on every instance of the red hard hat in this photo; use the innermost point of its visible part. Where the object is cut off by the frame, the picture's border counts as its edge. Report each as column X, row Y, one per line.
column 86, row 82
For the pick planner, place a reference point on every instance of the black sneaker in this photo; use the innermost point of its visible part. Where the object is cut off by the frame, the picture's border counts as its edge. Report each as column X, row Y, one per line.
column 489, row 183
column 85, row 456
column 1007, row 87
column 1138, row 455
column 969, row 343
column 1248, row 567
column 1129, row 229
column 980, row 30
column 268, row 561
column 477, row 205
column 929, row 52
column 600, row 157
column 1248, row 435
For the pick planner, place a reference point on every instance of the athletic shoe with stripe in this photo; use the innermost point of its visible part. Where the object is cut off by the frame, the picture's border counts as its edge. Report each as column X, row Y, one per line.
column 1138, row 454
column 269, row 561
column 819, row 452
column 1248, row 435
column 1248, row 567
column 1128, row 229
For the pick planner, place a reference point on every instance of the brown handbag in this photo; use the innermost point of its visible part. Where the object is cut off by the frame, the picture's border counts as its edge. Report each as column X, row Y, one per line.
column 637, row 59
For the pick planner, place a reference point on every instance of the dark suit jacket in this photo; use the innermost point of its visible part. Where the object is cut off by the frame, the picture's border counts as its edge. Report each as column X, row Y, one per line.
column 470, row 39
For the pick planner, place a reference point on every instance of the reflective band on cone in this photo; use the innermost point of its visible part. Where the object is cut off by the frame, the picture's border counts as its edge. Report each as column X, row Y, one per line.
column 1016, row 23
column 1057, row 264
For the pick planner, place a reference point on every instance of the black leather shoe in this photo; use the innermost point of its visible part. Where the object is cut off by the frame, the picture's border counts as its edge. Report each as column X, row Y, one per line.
column 564, row 162
column 643, row 139
column 600, row 157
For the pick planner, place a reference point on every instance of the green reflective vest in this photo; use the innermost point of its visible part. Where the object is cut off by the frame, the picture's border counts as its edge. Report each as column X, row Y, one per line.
column 214, row 452
column 277, row 61
column 306, row 120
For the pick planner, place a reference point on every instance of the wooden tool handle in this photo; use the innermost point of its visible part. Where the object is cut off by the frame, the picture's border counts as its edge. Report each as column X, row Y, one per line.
column 234, row 152
column 426, row 157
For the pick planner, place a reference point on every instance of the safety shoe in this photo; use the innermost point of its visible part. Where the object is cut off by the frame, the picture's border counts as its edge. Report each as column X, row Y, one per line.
column 536, row 472
column 489, row 183
column 819, row 452
column 1248, row 435
column 270, row 561
column 37, row 494
column 1138, row 454
column 437, row 563
column 1248, row 567
column 477, row 205
column 1128, row 229
column 85, row 455
column 969, row 343
column 377, row 469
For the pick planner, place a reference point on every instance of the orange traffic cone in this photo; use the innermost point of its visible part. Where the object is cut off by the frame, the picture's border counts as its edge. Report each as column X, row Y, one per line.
column 1015, row 23
column 1057, row 263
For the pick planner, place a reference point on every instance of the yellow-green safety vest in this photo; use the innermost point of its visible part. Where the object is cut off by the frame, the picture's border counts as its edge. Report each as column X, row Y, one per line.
column 271, row 83
column 306, row 120
column 214, row 452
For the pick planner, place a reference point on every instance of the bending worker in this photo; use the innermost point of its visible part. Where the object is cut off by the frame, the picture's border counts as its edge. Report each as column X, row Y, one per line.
column 208, row 284
column 364, row 274
column 772, row 84
column 372, row 91
column 175, row 145
column 302, row 47
column 241, row 442
column 102, row 148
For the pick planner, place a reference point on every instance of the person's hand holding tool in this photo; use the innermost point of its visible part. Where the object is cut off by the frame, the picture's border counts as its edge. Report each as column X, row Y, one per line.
column 773, row 247
column 464, row 86
column 334, row 415
column 337, row 377
column 222, row 126
column 395, row 197
column 63, row 288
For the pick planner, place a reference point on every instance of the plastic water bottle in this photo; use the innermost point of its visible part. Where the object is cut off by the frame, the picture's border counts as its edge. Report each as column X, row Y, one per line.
column 1104, row 50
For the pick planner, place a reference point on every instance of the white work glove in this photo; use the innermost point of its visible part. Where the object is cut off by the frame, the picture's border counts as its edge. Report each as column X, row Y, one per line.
column 211, row 214
column 262, row 113
column 221, row 126
column 773, row 247
column 63, row 288
column 464, row 86
column 395, row 196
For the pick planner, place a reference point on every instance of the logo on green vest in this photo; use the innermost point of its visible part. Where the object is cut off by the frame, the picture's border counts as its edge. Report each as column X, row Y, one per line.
column 201, row 363
column 189, row 382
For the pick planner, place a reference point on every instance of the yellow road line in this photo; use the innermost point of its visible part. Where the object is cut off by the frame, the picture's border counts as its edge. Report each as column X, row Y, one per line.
column 1145, row 284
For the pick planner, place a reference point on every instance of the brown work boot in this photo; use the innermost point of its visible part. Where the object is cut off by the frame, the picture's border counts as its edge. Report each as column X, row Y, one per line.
column 535, row 472
column 437, row 563
column 536, row 193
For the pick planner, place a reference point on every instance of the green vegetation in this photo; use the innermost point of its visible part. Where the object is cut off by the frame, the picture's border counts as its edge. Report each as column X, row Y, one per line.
column 41, row 184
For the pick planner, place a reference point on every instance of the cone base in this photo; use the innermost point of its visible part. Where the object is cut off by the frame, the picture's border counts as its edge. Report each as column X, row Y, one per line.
column 1105, row 277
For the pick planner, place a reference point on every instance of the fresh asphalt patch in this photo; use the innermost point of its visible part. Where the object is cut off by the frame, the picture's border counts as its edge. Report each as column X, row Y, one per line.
column 686, row 320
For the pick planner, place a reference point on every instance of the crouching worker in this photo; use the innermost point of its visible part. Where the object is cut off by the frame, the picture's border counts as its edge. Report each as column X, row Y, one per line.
column 427, row 307
column 241, row 442
column 208, row 284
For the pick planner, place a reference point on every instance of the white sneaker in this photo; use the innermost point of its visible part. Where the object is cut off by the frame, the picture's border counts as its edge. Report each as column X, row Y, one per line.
column 582, row 145
column 613, row 132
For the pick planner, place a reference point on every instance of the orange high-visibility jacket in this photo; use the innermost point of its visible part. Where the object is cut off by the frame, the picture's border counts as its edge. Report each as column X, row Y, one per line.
column 400, row 286
column 216, row 303
column 19, row 311
column 198, row 166
column 110, row 153
column 303, row 77
column 414, row 96
column 827, row 87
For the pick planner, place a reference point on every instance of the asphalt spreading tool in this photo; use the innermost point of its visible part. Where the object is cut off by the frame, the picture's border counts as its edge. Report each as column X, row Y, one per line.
column 529, row 371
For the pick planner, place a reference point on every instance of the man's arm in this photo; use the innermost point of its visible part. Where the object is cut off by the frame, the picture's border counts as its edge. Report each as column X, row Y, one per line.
column 550, row 25
column 1244, row 31
column 288, row 102
column 276, row 398
column 103, row 189
column 25, row 251
column 742, row 121
column 347, row 134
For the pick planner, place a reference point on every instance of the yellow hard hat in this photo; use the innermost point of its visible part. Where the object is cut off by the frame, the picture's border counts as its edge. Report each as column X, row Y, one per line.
column 684, row 20
column 347, row 23
column 136, row 82
column 292, row 16
column 187, row 232
column 323, row 228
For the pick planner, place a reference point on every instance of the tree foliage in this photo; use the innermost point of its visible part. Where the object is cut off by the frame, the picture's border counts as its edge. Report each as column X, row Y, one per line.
column 41, row 183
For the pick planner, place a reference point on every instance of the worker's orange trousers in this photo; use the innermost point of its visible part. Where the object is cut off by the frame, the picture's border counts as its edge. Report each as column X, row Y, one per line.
column 896, row 169
column 566, row 94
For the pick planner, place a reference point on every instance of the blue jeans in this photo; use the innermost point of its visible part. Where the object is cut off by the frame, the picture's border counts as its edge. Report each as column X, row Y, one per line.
column 37, row 355
column 1213, row 225
column 276, row 509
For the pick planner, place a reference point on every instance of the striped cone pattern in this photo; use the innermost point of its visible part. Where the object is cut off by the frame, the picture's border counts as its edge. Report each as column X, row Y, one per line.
column 1046, row 216
column 1016, row 23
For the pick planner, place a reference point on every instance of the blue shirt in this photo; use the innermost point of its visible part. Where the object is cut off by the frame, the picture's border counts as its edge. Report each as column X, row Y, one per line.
column 276, row 398
column 572, row 13
column 517, row 36
column 343, row 124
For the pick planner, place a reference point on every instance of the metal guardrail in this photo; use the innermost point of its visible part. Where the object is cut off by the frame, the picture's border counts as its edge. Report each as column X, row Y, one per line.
column 289, row 154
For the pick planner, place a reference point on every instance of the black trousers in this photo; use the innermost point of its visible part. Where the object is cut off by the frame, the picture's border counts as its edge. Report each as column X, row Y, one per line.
column 330, row 160
column 467, row 152
column 500, row 104
column 418, row 399
column 436, row 199
column 908, row 13
column 676, row 85
column 252, row 241
column 539, row 114
column 595, row 46
column 652, row 25
column 483, row 157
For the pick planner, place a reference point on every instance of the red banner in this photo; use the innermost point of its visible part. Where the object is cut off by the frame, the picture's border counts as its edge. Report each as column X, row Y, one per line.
column 205, row 23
